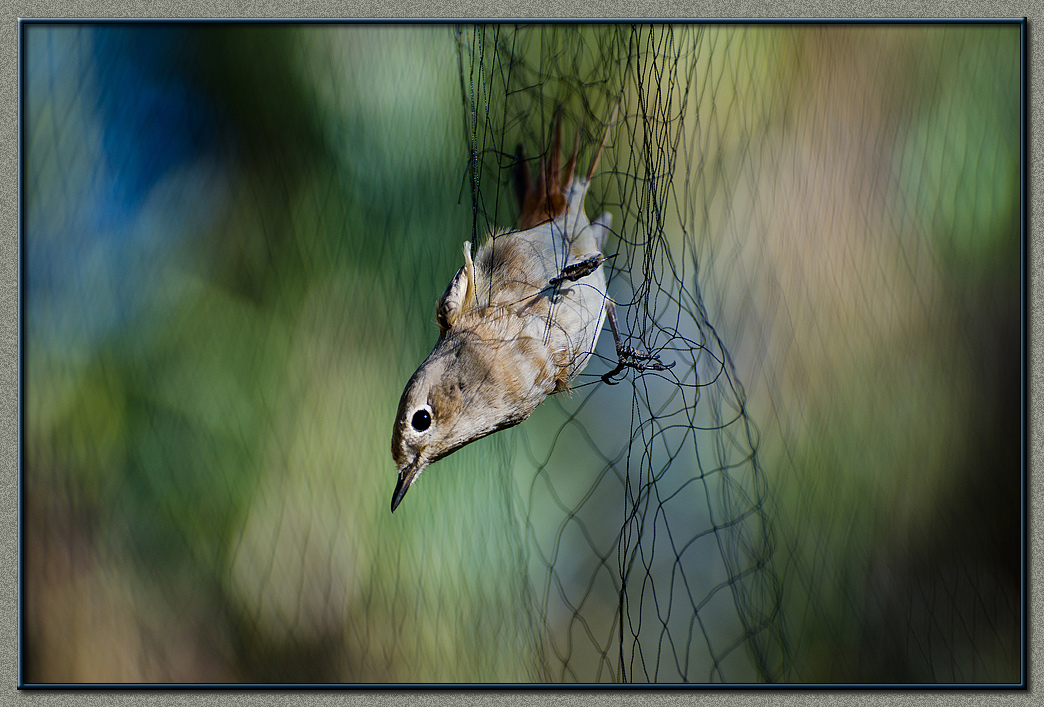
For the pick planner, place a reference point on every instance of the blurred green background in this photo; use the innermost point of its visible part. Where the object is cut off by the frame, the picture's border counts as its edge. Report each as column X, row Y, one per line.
column 234, row 237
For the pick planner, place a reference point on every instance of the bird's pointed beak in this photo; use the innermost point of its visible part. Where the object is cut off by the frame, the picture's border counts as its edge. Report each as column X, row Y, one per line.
column 407, row 476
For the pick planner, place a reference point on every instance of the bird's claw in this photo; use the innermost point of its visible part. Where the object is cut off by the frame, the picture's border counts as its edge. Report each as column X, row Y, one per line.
column 629, row 357
column 578, row 270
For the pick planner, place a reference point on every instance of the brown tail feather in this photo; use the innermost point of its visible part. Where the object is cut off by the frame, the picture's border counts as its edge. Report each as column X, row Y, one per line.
column 556, row 148
column 546, row 199
column 523, row 181
column 567, row 176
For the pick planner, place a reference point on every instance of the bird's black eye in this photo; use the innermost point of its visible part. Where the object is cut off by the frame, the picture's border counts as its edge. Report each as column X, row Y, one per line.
column 421, row 420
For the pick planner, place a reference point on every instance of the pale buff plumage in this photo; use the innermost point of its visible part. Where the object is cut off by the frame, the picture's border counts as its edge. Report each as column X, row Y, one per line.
column 517, row 324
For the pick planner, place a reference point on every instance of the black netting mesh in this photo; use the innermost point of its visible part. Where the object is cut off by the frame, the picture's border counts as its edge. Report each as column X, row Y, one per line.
column 234, row 237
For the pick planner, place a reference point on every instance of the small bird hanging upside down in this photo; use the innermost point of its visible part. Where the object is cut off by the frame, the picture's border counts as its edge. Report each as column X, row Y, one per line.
column 517, row 324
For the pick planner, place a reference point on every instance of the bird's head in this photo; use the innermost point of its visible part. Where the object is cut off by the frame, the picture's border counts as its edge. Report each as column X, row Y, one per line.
column 458, row 395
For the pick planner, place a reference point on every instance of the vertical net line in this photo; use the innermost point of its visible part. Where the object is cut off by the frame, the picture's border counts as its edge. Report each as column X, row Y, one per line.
column 651, row 70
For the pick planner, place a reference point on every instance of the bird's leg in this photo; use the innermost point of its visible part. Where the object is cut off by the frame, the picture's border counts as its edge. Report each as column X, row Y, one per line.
column 628, row 357
column 578, row 270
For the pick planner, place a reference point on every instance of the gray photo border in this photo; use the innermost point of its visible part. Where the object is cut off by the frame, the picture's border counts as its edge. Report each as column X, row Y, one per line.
column 9, row 350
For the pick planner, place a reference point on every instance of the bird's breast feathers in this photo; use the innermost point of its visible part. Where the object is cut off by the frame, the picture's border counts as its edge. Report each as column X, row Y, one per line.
column 512, row 302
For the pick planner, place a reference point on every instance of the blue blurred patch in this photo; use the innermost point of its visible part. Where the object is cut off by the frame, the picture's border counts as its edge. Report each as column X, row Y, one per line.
column 153, row 119
column 123, row 113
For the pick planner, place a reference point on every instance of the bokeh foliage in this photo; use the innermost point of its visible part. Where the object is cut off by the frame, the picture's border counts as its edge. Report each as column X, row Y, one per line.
column 233, row 240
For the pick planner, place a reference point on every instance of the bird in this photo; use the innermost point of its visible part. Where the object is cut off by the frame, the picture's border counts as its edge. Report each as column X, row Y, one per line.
column 517, row 323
